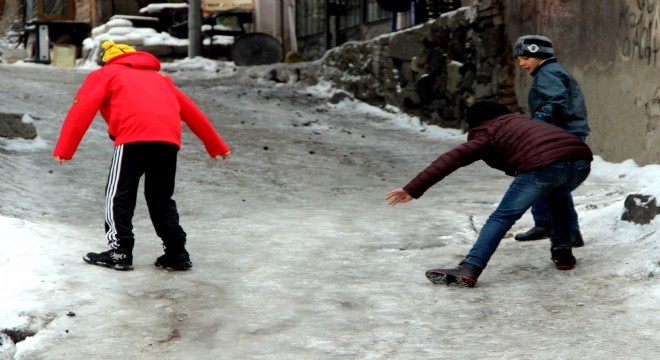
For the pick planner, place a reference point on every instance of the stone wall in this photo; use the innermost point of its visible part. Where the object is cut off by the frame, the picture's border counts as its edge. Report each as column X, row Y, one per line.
column 433, row 70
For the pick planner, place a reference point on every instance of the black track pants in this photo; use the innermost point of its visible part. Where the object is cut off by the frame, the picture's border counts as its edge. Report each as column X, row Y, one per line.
column 157, row 162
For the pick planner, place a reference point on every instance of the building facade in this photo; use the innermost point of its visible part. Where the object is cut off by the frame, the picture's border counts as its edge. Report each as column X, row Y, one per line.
column 310, row 27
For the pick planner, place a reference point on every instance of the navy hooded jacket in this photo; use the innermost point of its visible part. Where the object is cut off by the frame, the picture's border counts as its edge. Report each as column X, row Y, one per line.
column 556, row 98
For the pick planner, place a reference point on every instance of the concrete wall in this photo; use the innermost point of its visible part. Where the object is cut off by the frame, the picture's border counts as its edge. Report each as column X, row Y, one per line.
column 611, row 47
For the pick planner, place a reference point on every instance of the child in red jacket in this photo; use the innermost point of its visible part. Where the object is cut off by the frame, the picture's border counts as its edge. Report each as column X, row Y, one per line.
column 143, row 109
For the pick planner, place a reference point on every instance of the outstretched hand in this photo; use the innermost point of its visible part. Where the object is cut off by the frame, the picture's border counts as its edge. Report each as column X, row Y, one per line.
column 60, row 160
column 225, row 156
column 398, row 196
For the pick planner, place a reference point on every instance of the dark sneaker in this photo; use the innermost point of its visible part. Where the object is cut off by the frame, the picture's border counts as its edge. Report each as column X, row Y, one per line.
column 535, row 233
column 464, row 275
column 178, row 261
column 563, row 258
column 576, row 239
column 117, row 259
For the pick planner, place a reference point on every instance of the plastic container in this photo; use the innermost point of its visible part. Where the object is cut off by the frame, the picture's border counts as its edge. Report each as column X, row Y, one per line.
column 64, row 55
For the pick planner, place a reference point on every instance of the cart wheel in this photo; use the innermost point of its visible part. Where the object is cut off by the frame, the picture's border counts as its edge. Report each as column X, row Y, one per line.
column 256, row 49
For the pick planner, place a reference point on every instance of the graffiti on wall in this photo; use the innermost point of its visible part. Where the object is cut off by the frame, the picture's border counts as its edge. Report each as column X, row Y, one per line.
column 638, row 28
column 535, row 16
column 653, row 113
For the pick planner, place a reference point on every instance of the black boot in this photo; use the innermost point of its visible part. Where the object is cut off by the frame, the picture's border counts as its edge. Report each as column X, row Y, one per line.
column 118, row 259
column 465, row 275
column 563, row 258
column 535, row 233
column 576, row 239
column 174, row 260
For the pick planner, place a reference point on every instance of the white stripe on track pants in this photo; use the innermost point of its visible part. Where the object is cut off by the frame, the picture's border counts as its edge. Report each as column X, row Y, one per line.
column 157, row 162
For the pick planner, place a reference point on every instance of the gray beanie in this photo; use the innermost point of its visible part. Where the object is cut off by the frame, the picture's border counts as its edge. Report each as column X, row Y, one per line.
column 534, row 46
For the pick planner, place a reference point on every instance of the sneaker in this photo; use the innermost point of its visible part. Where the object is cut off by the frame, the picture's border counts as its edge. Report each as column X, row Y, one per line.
column 563, row 258
column 464, row 275
column 535, row 233
column 178, row 261
column 576, row 239
column 117, row 259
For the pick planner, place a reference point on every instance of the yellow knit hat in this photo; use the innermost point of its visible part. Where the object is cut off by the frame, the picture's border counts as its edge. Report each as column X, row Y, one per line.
column 110, row 50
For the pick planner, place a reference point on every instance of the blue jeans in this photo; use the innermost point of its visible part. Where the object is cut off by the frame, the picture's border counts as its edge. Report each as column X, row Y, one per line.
column 543, row 217
column 553, row 183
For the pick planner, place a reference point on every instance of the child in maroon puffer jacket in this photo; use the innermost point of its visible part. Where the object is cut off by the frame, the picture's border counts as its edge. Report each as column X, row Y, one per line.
column 547, row 163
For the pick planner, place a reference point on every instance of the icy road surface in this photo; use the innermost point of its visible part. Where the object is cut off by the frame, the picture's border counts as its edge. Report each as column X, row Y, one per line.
column 296, row 254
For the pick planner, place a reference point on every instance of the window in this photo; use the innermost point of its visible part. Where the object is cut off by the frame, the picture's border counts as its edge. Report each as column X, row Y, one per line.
column 55, row 9
column 435, row 8
column 373, row 12
column 310, row 17
column 349, row 13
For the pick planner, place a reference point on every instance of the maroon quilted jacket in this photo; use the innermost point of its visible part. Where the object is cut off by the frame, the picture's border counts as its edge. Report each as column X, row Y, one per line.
column 512, row 143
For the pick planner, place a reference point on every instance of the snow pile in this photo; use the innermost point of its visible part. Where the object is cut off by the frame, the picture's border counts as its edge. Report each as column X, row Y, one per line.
column 20, row 258
column 399, row 118
column 18, row 144
column 625, row 249
column 25, row 145
column 159, row 7
column 121, row 31
column 200, row 64
column 643, row 178
column 10, row 52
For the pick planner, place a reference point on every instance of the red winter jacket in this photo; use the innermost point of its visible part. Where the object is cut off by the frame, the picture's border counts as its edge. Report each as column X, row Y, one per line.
column 138, row 103
column 511, row 143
